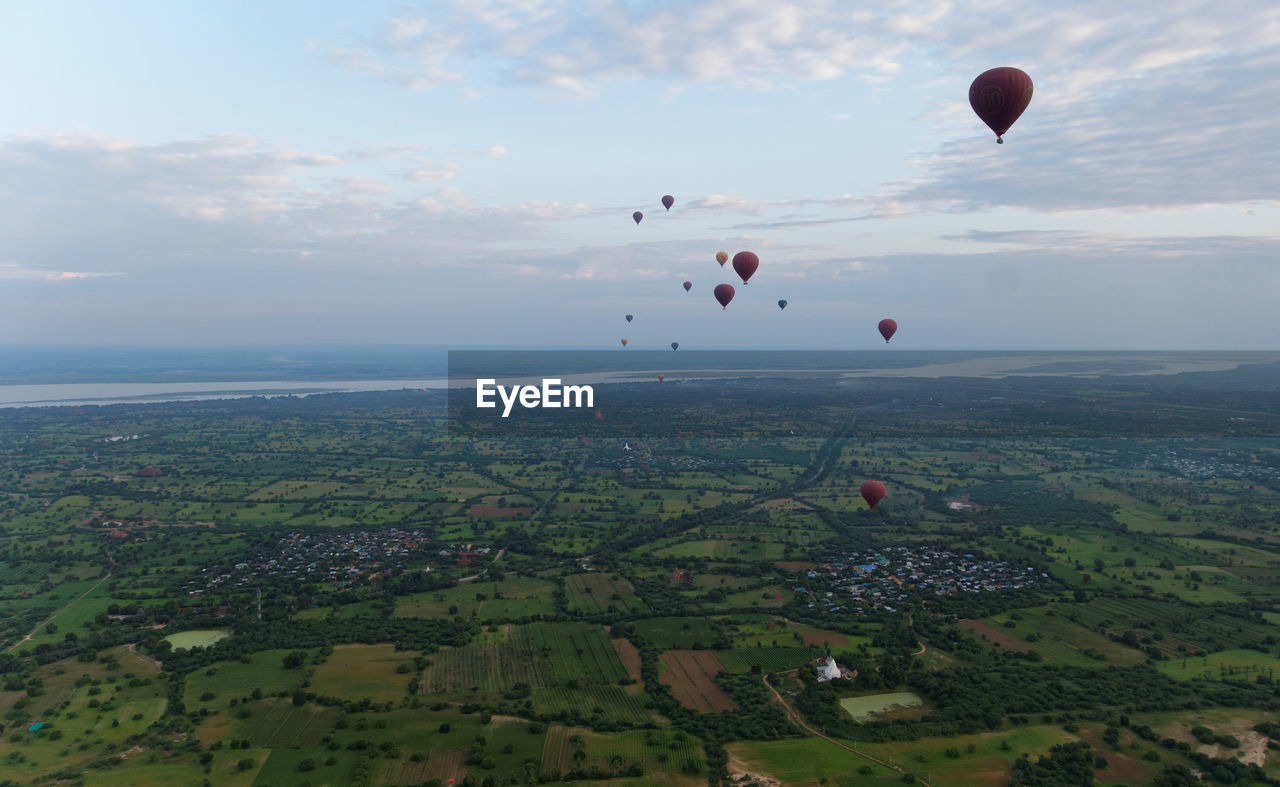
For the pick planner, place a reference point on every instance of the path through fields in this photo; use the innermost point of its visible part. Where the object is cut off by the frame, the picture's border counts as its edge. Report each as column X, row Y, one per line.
column 58, row 612
column 796, row 719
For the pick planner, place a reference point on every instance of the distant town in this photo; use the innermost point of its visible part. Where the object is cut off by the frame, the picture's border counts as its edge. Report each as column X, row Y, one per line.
column 340, row 558
column 890, row 578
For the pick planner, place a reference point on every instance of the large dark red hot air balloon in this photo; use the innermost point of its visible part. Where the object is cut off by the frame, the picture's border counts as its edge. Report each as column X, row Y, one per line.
column 688, row 286
column 724, row 294
column 887, row 329
column 999, row 96
column 872, row 492
column 668, row 201
column 745, row 263
column 637, row 216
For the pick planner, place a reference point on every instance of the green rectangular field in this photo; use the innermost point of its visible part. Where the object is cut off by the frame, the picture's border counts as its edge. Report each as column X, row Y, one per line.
column 364, row 671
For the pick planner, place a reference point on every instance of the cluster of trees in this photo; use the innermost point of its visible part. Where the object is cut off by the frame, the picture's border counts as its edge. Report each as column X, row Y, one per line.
column 1066, row 764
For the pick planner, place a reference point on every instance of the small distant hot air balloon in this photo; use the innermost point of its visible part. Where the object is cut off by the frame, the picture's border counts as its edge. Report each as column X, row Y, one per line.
column 745, row 263
column 599, row 415
column 668, row 201
column 722, row 257
column 624, row 342
column 688, row 286
column 872, row 492
column 661, row 377
column 630, row 317
column 675, row 345
column 999, row 97
column 724, row 294
column 782, row 304
column 887, row 329
column 637, row 216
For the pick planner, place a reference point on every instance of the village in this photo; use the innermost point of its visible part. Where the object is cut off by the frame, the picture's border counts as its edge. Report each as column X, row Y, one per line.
column 341, row 558
column 891, row 578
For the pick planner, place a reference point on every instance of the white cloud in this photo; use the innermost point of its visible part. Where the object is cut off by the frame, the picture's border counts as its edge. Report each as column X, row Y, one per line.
column 578, row 49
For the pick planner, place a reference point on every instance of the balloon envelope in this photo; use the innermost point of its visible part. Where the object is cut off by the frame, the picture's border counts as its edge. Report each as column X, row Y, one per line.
column 688, row 286
column 872, row 492
column 637, row 216
column 624, row 342
column 629, row 318
column 782, row 304
column 999, row 97
column 724, row 293
column 887, row 329
column 675, row 345
column 745, row 263
column 668, row 201
column 661, row 377
column 722, row 257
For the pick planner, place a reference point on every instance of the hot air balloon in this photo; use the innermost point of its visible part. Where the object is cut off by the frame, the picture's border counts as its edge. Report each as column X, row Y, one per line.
column 688, row 286
column 999, row 97
column 599, row 415
column 722, row 257
column 745, row 263
column 624, row 342
column 887, row 329
column 872, row 492
column 724, row 294
column 661, row 377
column 782, row 304
column 637, row 216
column 675, row 345
column 668, row 201
column 629, row 317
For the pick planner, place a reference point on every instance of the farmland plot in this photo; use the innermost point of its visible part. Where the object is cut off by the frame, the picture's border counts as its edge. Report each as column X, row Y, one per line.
column 690, row 674
column 541, row 654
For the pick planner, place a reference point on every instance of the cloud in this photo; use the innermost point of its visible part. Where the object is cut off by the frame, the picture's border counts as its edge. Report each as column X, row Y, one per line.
column 12, row 271
column 577, row 49
column 425, row 170
column 1132, row 110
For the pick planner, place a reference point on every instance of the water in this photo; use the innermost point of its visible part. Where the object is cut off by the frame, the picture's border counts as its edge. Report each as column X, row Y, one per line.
column 71, row 394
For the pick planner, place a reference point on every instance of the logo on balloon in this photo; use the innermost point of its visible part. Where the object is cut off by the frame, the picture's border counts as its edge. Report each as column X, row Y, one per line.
column 991, row 98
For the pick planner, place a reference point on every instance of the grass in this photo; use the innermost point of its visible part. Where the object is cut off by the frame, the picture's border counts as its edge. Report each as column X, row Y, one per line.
column 865, row 708
column 805, row 761
column 1061, row 641
column 1227, row 664
column 237, row 679
column 196, row 638
column 363, row 672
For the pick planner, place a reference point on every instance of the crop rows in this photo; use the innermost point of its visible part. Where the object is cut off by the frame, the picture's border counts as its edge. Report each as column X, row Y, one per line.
column 767, row 659
column 656, row 751
column 1200, row 628
column 614, row 703
column 576, row 651
column 541, row 655
column 690, row 674
column 285, row 724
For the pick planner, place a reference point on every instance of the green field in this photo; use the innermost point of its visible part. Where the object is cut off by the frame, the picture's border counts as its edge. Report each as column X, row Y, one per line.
column 328, row 589
column 364, row 672
column 196, row 639
column 869, row 706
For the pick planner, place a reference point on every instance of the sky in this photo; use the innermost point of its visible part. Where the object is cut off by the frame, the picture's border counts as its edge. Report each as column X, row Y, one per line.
column 463, row 173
